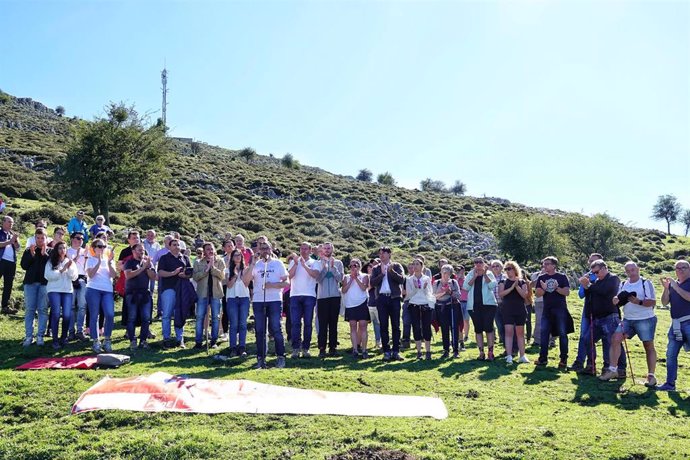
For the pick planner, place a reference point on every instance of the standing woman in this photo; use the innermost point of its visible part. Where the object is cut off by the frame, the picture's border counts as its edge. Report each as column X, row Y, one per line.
column 418, row 289
column 529, row 306
column 447, row 293
column 60, row 272
column 34, row 262
column 355, row 299
column 99, row 293
column 237, row 304
column 514, row 291
column 481, row 303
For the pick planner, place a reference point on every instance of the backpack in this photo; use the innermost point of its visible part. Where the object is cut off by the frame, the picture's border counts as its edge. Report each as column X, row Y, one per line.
column 111, row 360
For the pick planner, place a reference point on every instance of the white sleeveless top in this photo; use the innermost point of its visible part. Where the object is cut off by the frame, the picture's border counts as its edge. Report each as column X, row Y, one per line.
column 355, row 296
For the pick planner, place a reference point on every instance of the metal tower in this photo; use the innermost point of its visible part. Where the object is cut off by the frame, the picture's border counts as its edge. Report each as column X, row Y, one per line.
column 164, row 81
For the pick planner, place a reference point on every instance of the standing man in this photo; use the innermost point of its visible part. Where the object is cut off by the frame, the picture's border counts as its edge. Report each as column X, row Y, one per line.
column 133, row 238
column 605, row 314
column 138, row 271
column 77, row 224
column 302, row 299
column 638, row 319
column 388, row 278
column 209, row 273
column 172, row 268
column 554, row 288
column 270, row 278
column 151, row 246
column 585, row 353
column 497, row 269
column 79, row 256
column 677, row 293
column 9, row 245
column 328, row 299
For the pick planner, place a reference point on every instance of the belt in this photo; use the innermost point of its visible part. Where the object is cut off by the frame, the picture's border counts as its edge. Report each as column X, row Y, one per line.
column 385, row 294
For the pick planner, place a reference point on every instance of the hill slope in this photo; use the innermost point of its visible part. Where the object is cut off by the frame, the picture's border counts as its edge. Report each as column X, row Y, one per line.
column 213, row 191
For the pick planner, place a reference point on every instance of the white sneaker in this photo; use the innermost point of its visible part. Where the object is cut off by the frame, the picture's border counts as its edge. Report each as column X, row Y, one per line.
column 523, row 360
column 509, row 359
column 28, row 341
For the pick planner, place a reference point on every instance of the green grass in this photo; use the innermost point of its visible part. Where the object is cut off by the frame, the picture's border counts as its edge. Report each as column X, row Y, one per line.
column 495, row 411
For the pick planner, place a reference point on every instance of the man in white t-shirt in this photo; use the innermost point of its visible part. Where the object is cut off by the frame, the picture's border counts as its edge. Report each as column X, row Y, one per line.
column 9, row 247
column 270, row 278
column 302, row 299
column 79, row 256
column 638, row 319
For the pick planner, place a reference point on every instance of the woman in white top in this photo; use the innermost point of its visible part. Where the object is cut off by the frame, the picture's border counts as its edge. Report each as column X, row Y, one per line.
column 418, row 288
column 60, row 271
column 100, row 271
column 237, row 304
column 355, row 299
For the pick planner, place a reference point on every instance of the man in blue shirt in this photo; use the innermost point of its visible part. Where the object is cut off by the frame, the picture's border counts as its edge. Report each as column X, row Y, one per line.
column 77, row 224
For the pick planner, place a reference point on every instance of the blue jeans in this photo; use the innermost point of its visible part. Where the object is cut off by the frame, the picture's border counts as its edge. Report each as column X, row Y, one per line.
column 168, row 306
column 60, row 305
column 673, row 349
column 498, row 318
column 584, row 354
column 201, row 307
column 268, row 312
column 604, row 329
column 95, row 299
column 301, row 308
column 80, row 304
column 406, row 322
column 141, row 310
column 238, row 312
column 36, row 300
column 553, row 318
column 463, row 308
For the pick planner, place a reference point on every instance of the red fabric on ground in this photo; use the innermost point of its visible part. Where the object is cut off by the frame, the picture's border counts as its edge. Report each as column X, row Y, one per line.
column 72, row 362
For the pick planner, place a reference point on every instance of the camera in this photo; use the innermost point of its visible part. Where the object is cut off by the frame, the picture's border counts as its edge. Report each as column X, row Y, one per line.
column 625, row 296
column 188, row 271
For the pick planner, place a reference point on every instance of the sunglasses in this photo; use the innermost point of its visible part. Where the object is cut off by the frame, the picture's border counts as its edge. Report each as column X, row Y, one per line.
column 595, row 272
column 99, row 246
column 354, row 265
column 682, row 268
column 509, row 269
column 78, row 238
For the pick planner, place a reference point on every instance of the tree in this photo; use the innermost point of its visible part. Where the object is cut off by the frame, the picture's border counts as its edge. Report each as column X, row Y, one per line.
column 289, row 161
column 60, row 110
column 459, row 188
column 599, row 233
column 113, row 157
column 429, row 185
column 526, row 238
column 385, row 179
column 248, row 154
column 666, row 208
column 685, row 220
column 195, row 147
column 365, row 175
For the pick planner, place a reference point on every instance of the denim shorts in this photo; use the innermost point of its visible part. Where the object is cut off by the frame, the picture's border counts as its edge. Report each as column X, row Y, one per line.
column 643, row 328
column 463, row 308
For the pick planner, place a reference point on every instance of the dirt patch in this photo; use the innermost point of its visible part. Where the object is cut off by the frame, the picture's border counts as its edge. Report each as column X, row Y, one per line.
column 372, row 453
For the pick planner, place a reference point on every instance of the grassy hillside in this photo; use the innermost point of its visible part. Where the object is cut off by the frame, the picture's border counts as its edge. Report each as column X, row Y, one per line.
column 495, row 411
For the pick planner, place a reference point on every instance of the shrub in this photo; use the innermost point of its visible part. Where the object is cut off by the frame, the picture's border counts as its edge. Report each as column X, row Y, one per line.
column 55, row 214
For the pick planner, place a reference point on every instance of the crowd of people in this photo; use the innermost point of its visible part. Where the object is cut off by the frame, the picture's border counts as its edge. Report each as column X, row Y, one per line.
column 71, row 279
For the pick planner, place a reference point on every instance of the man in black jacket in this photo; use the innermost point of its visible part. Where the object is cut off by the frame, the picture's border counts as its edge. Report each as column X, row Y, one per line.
column 606, row 315
column 387, row 278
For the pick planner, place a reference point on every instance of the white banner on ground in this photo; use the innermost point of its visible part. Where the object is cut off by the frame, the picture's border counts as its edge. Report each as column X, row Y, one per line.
column 162, row 392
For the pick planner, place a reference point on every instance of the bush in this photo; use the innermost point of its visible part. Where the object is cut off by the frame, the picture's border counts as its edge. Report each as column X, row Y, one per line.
column 55, row 214
column 163, row 221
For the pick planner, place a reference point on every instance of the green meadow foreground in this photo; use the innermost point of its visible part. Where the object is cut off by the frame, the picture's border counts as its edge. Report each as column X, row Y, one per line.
column 495, row 411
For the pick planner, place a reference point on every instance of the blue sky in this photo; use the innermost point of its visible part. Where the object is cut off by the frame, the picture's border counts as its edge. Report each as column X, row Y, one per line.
column 580, row 106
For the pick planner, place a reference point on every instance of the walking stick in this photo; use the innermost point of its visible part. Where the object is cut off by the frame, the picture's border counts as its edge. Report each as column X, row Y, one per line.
column 627, row 353
column 206, row 321
column 591, row 345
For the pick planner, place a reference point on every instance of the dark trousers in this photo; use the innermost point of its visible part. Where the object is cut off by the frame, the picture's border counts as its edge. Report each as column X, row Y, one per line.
column 7, row 271
column 553, row 319
column 328, row 310
column 450, row 318
column 389, row 310
column 224, row 319
column 420, row 317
